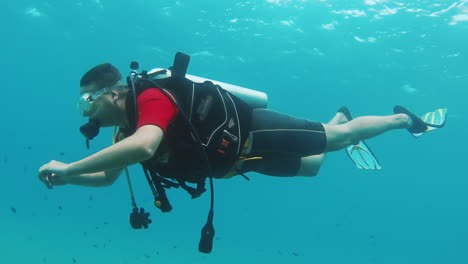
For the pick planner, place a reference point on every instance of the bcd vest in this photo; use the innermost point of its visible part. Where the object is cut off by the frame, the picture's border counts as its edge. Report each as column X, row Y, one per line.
column 210, row 120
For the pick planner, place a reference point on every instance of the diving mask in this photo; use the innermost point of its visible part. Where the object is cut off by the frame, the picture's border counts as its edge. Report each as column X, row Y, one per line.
column 87, row 99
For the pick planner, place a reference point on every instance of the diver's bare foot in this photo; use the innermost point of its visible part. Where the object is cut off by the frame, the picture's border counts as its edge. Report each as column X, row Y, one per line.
column 342, row 116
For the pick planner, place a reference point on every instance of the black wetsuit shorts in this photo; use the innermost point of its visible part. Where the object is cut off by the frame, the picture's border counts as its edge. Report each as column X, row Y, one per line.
column 281, row 141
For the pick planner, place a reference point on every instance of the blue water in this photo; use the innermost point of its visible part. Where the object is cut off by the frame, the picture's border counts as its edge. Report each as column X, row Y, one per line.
column 311, row 57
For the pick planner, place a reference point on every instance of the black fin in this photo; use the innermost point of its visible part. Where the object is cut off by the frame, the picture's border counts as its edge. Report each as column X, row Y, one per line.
column 418, row 127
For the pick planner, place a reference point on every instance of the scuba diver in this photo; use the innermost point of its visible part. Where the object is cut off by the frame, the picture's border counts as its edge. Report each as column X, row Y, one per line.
column 185, row 129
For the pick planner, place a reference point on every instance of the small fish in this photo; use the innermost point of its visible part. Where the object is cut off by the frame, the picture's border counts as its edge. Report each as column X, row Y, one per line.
column 12, row 209
column 74, row 260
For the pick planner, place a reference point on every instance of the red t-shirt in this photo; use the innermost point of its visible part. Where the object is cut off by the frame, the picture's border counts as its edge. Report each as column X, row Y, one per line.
column 155, row 108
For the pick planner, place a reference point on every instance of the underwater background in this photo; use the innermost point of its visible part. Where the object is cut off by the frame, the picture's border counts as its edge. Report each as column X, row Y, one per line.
column 311, row 57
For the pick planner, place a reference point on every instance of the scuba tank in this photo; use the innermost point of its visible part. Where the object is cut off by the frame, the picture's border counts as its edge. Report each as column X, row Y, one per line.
column 255, row 99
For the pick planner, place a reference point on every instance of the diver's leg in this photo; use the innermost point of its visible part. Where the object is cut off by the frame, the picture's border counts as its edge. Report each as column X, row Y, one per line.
column 310, row 165
column 286, row 145
column 340, row 136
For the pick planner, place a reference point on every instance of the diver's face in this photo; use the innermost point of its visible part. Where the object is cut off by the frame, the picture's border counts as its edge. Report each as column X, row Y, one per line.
column 97, row 104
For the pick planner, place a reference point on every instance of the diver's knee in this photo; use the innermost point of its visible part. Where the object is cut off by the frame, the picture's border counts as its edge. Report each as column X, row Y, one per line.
column 310, row 166
column 308, row 173
column 339, row 136
column 347, row 136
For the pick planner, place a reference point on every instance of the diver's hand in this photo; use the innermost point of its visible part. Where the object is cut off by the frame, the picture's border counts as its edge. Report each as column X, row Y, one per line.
column 54, row 173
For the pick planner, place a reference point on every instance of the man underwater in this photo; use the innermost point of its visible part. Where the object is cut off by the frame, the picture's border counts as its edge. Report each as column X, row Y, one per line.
column 185, row 132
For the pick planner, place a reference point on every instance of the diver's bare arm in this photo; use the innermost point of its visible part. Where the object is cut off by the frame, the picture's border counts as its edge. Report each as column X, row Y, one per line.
column 136, row 148
column 97, row 179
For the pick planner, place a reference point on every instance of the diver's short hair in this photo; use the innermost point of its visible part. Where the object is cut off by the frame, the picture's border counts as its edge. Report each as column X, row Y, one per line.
column 102, row 75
